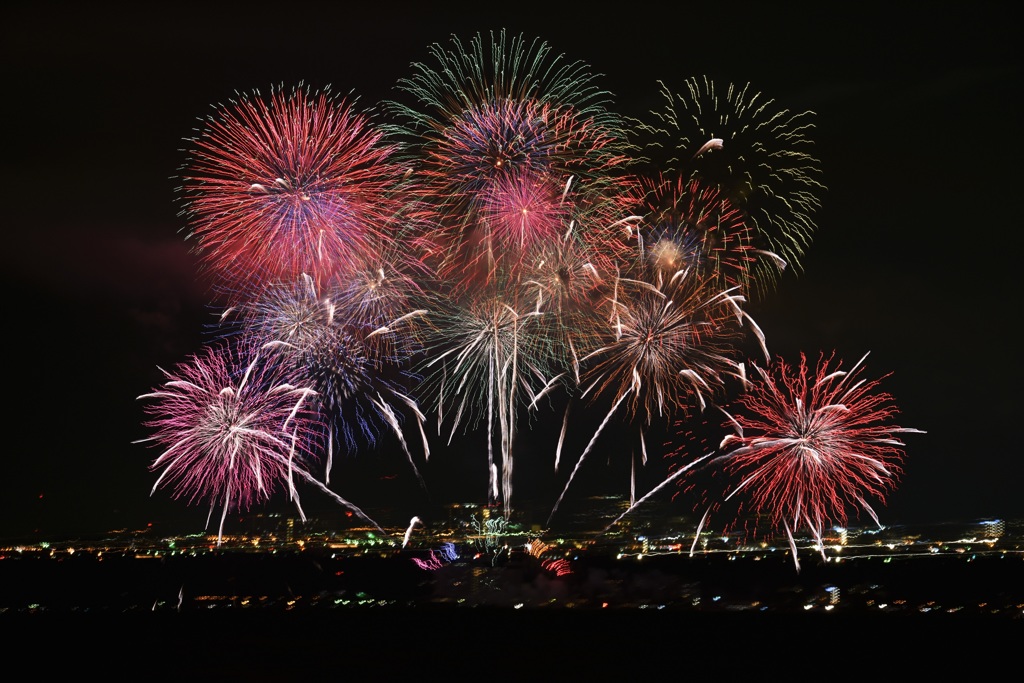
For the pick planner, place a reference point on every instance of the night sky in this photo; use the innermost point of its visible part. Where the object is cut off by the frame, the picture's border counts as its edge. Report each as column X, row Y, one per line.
column 915, row 258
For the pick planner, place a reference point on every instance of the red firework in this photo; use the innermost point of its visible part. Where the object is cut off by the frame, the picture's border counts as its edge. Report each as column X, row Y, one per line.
column 291, row 184
column 808, row 445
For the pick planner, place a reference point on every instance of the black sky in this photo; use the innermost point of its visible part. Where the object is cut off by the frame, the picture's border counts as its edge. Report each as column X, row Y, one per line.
column 915, row 258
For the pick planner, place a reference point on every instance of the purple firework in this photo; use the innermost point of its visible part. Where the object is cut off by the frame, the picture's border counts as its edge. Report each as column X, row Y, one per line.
column 233, row 429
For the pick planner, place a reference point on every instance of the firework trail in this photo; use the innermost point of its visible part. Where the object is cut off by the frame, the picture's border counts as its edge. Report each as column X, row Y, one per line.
column 413, row 523
column 294, row 183
column 671, row 348
column 233, row 429
column 650, row 494
column 757, row 154
column 558, row 567
column 439, row 558
column 485, row 357
column 431, row 563
column 810, row 443
column 356, row 378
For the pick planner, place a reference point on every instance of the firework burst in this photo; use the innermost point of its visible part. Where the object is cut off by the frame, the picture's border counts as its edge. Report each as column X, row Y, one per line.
column 494, row 238
column 357, row 370
column 671, row 349
column 757, row 154
column 497, row 134
column 687, row 224
column 385, row 289
column 294, row 183
column 808, row 444
column 233, row 429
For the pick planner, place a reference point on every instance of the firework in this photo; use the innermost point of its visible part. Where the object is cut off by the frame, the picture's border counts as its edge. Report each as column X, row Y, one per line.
column 486, row 356
column 671, row 348
column 381, row 288
column 808, row 444
column 233, row 429
column 436, row 559
column 757, row 154
column 491, row 240
column 413, row 523
column 650, row 494
column 497, row 133
column 358, row 379
column 522, row 209
column 688, row 224
column 295, row 183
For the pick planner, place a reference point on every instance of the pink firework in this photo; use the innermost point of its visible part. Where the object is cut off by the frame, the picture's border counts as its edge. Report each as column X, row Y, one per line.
column 233, row 429
column 522, row 209
column 808, row 445
column 498, row 128
column 294, row 183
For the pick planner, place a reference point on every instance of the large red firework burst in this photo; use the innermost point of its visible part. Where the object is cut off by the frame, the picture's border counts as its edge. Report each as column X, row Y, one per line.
column 809, row 444
column 294, row 183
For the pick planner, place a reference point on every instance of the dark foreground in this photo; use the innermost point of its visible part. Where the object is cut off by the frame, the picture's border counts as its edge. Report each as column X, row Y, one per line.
column 241, row 616
column 485, row 643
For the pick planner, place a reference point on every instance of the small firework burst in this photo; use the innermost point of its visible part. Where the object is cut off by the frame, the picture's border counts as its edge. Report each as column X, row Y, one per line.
column 357, row 376
column 522, row 210
column 669, row 350
column 687, row 224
